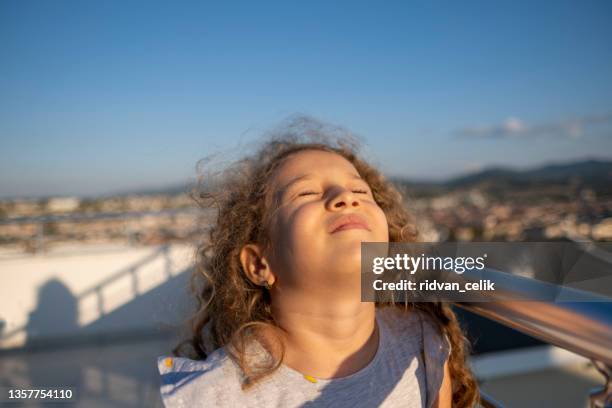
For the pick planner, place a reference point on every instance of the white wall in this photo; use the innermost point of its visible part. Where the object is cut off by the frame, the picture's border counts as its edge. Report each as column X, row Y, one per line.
column 51, row 294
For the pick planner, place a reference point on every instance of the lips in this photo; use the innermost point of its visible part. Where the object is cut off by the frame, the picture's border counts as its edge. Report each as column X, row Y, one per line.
column 349, row 221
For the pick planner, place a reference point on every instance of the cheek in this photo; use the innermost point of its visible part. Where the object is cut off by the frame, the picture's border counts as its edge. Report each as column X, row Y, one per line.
column 303, row 223
column 296, row 229
column 297, row 244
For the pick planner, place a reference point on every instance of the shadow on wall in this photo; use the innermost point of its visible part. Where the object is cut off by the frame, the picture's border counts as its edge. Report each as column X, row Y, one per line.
column 55, row 315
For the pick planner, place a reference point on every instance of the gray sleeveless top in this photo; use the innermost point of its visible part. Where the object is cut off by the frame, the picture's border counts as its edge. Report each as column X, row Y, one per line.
column 406, row 371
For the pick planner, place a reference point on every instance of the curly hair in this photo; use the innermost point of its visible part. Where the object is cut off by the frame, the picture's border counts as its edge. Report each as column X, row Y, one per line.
column 230, row 307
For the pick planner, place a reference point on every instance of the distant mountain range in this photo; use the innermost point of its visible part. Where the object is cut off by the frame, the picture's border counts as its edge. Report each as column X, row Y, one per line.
column 589, row 171
column 593, row 174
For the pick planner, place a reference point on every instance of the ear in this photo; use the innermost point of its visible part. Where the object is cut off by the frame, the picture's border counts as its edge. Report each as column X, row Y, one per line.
column 255, row 265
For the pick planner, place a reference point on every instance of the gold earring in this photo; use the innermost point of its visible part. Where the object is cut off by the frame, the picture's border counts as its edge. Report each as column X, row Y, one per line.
column 266, row 285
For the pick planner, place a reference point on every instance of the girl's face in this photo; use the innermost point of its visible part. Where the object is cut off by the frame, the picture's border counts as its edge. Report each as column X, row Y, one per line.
column 321, row 212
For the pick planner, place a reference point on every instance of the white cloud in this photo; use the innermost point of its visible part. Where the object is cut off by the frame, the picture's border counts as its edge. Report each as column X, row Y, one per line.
column 516, row 128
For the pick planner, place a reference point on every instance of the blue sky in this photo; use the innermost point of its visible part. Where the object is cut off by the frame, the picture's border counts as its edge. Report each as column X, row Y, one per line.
column 113, row 95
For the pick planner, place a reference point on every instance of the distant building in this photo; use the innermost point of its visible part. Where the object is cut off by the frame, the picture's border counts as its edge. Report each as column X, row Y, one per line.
column 603, row 230
column 63, row 204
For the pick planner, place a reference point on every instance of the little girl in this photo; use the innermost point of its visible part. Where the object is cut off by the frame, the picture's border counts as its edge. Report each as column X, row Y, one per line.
column 280, row 322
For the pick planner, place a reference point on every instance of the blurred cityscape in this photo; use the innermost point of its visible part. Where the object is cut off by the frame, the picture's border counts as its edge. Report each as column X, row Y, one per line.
column 570, row 201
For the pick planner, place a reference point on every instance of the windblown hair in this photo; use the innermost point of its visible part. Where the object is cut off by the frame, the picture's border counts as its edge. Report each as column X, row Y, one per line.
column 230, row 307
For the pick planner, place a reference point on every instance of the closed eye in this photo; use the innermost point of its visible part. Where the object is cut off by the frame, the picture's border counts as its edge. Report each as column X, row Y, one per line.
column 305, row 193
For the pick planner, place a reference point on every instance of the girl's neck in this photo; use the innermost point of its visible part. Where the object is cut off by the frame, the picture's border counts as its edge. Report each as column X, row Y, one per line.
column 328, row 340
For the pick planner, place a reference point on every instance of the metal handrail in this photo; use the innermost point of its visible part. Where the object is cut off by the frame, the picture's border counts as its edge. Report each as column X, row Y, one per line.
column 486, row 401
column 583, row 327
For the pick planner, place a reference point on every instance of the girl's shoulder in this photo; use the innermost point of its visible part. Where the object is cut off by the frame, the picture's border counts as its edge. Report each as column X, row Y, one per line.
column 413, row 331
column 184, row 381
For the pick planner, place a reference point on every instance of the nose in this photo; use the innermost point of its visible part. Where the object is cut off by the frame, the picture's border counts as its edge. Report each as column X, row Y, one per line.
column 342, row 198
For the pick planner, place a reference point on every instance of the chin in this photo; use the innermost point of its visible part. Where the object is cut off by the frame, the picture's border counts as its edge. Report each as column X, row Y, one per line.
column 348, row 255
